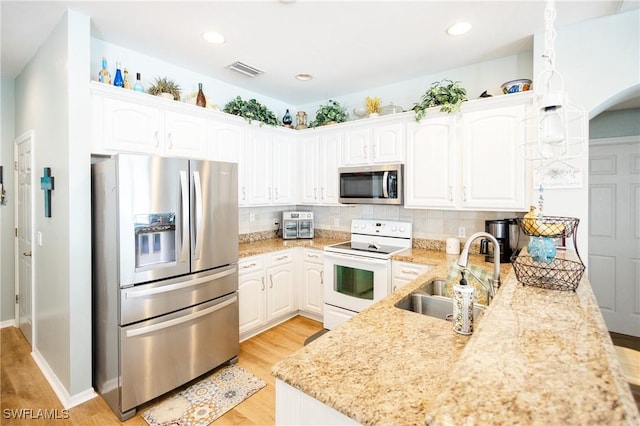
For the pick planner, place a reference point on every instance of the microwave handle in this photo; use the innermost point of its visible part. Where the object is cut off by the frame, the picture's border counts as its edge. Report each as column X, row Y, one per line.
column 385, row 185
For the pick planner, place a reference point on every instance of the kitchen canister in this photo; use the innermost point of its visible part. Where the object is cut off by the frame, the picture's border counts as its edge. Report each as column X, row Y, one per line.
column 452, row 246
column 463, row 307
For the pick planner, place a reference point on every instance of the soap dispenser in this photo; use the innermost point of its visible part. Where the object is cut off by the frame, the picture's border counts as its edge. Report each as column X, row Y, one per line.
column 463, row 306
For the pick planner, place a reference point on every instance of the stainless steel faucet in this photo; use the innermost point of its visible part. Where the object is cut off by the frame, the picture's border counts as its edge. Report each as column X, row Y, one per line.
column 463, row 262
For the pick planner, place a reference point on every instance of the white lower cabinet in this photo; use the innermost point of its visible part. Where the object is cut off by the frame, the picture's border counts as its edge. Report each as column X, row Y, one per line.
column 311, row 300
column 402, row 273
column 294, row 407
column 266, row 291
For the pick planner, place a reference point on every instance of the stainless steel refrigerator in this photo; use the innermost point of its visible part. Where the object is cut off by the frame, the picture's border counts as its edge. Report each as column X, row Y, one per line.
column 165, row 274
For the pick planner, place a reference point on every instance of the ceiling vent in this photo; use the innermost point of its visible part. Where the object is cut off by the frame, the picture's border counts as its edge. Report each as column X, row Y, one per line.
column 245, row 69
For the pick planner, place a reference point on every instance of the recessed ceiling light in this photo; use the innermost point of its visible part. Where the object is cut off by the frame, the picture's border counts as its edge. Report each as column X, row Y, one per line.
column 459, row 29
column 304, row 77
column 214, row 37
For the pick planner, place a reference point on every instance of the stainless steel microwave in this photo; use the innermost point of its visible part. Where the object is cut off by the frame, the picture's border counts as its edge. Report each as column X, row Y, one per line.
column 377, row 184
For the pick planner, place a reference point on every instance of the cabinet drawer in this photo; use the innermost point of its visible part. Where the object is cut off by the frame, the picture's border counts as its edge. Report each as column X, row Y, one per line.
column 407, row 270
column 250, row 264
column 280, row 258
column 314, row 256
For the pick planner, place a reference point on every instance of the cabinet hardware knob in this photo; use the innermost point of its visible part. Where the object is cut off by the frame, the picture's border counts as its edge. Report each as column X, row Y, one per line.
column 27, row 253
column 262, row 281
column 270, row 281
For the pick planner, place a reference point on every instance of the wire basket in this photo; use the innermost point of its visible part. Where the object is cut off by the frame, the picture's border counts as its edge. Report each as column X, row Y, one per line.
column 559, row 274
column 549, row 226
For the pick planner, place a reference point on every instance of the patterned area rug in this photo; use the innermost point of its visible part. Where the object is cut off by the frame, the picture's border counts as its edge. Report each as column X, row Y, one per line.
column 205, row 401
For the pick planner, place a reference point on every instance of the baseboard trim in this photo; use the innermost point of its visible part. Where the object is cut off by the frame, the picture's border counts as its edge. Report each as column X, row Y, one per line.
column 8, row 323
column 67, row 401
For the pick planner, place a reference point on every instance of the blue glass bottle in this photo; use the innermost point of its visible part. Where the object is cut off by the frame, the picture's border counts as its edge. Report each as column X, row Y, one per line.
column 118, row 80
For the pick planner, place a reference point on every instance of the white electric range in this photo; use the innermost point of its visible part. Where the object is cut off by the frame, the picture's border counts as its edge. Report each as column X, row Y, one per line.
column 358, row 272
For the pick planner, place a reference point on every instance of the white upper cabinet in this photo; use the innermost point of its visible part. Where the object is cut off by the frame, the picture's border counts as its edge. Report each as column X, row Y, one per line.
column 320, row 157
column 374, row 143
column 471, row 160
column 431, row 170
column 268, row 165
column 131, row 127
column 186, row 135
column 124, row 121
column 494, row 169
column 228, row 139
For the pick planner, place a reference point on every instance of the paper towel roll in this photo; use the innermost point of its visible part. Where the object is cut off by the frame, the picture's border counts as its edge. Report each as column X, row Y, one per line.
column 453, row 246
column 463, row 308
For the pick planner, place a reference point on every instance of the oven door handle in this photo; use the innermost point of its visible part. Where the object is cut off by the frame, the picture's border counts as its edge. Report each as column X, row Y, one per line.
column 180, row 320
column 371, row 261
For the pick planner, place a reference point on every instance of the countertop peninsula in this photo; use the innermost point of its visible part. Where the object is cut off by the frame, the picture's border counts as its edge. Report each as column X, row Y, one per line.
column 536, row 357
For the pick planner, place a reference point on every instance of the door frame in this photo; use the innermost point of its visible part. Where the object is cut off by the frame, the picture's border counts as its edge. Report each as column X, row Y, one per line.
column 27, row 137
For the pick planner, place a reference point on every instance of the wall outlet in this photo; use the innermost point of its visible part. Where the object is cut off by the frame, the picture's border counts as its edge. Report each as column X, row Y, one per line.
column 336, row 222
column 462, row 232
column 252, row 216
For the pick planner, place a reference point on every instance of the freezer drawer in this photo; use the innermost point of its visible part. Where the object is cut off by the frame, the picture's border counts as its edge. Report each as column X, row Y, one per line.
column 161, row 354
column 146, row 301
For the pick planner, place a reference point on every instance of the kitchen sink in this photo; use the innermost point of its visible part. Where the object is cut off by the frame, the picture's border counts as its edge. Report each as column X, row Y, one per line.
column 430, row 300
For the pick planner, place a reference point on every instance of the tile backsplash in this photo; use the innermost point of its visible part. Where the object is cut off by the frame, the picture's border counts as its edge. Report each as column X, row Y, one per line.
column 427, row 224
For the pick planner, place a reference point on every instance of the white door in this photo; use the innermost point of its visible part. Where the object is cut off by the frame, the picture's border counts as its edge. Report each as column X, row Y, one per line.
column 23, row 214
column 614, row 233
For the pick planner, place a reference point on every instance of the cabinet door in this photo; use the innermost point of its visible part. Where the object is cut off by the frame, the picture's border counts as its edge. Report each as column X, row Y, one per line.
column 252, row 299
column 493, row 168
column 186, row 136
column 356, row 147
column 227, row 141
column 284, row 170
column 131, row 127
column 258, row 161
column 281, row 296
column 388, row 143
column 402, row 273
column 310, row 166
column 312, row 299
column 330, row 145
column 431, row 166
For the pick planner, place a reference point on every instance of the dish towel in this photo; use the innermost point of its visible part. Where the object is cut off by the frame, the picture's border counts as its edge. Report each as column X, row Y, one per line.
column 480, row 295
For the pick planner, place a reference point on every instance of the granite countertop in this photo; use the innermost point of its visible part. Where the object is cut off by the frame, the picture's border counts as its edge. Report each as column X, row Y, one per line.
column 274, row 244
column 536, row 357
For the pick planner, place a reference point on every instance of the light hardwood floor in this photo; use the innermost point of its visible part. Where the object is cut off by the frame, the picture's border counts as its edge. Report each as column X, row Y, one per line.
column 24, row 386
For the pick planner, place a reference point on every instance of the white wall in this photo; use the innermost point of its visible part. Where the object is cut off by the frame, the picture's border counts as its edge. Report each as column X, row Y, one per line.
column 149, row 67
column 475, row 78
column 7, row 135
column 600, row 61
column 52, row 99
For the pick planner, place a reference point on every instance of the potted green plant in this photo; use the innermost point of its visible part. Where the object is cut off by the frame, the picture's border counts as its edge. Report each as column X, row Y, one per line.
column 445, row 93
column 251, row 110
column 164, row 85
column 330, row 113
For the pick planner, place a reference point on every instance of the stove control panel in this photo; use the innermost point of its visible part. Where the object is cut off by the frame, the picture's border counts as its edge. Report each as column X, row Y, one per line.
column 387, row 228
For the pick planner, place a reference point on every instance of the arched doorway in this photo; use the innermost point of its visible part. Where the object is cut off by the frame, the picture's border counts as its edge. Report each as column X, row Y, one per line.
column 614, row 211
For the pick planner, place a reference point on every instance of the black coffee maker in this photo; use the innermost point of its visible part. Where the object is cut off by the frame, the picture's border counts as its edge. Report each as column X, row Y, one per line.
column 506, row 232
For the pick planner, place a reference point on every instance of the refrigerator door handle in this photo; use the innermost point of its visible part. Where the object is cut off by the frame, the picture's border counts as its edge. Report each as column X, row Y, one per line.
column 198, row 213
column 180, row 320
column 135, row 293
column 184, row 185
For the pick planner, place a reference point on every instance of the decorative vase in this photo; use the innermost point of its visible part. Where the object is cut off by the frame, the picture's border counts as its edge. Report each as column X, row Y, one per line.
column 328, row 123
column 287, row 120
column 166, row 95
